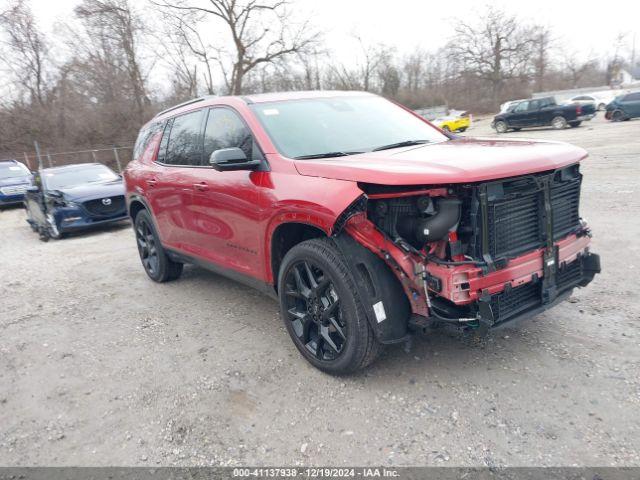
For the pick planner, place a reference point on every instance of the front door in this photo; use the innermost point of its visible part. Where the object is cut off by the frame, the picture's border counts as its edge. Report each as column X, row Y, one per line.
column 519, row 115
column 631, row 104
column 224, row 211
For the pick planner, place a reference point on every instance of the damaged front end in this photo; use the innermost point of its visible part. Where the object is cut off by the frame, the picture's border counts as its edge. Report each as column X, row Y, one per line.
column 475, row 255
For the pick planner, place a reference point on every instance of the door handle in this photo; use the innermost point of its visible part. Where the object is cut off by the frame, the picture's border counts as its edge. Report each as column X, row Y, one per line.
column 152, row 182
column 201, row 187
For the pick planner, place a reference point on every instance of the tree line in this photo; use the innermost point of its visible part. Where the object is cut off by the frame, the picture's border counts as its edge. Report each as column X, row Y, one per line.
column 110, row 68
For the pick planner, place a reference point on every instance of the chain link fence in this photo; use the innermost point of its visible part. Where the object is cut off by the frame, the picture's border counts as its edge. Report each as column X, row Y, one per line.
column 115, row 158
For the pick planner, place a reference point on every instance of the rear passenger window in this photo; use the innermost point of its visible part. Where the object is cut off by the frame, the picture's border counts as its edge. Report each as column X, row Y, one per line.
column 225, row 129
column 184, row 144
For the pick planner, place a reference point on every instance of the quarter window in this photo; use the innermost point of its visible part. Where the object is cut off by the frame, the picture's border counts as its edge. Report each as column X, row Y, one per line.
column 225, row 129
column 184, row 144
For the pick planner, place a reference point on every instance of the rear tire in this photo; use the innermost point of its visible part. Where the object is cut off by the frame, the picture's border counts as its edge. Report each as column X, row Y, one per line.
column 463, row 129
column 322, row 310
column 559, row 122
column 574, row 124
column 159, row 267
column 501, row 126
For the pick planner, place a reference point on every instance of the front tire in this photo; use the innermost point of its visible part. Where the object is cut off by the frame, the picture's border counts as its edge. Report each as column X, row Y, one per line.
column 559, row 122
column 617, row 116
column 159, row 267
column 322, row 311
column 52, row 228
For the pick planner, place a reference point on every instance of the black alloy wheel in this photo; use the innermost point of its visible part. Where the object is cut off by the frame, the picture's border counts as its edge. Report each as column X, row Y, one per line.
column 322, row 310
column 147, row 247
column 159, row 267
column 313, row 308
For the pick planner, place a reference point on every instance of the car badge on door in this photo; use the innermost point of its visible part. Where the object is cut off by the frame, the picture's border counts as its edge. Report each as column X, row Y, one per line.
column 106, row 201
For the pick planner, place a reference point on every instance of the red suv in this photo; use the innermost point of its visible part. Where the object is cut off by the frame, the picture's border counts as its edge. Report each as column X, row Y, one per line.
column 365, row 221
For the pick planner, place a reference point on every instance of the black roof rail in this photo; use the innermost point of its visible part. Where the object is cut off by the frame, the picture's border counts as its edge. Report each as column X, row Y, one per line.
column 184, row 104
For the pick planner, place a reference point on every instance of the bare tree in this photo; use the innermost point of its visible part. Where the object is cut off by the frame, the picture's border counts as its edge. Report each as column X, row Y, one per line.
column 361, row 74
column 117, row 27
column 542, row 44
column 260, row 33
column 25, row 52
column 494, row 49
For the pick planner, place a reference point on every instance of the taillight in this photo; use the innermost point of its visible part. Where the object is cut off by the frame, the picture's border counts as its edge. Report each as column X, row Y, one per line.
column 579, row 110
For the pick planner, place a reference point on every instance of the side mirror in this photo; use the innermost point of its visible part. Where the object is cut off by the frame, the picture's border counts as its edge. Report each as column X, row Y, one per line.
column 227, row 159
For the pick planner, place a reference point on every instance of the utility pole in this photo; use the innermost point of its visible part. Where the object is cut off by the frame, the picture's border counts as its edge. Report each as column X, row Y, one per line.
column 35, row 144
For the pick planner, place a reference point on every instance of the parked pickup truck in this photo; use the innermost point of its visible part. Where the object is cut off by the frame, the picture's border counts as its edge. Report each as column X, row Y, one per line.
column 540, row 112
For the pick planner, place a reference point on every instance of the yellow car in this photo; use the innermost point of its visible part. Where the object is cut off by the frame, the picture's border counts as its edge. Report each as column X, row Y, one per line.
column 454, row 123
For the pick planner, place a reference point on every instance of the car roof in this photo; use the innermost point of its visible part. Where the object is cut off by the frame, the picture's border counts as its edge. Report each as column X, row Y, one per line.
column 7, row 162
column 210, row 100
column 75, row 166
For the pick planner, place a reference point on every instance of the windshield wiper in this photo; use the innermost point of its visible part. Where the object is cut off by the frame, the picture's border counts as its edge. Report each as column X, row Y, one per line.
column 406, row 143
column 325, row 155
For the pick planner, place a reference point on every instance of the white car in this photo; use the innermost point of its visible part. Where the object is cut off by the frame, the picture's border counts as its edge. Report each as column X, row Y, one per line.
column 505, row 106
column 599, row 99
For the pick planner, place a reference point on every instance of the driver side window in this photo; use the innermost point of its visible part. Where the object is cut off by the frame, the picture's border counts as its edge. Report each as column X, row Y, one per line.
column 225, row 129
column 521, row 107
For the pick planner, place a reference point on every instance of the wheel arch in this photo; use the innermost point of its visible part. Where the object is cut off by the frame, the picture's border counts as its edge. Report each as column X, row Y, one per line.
column 283, row 238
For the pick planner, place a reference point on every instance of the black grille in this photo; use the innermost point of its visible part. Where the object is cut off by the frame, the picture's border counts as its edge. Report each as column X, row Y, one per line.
column 569, row 275
column 510, row 303
column 115, row 206
column 565, row 202
column 514, row 225
column 516, row 217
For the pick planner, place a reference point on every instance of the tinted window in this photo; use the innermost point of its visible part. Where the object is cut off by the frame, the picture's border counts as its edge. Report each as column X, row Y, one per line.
column 162, row 150
column 145, row 136
column 184, row 146
column 225, row 129
column 521, row 107
column 534, row 105
column 632, row 97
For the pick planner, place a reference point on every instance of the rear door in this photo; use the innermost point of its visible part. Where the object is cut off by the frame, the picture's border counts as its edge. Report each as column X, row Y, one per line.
column 169, row 183
column 547, row 111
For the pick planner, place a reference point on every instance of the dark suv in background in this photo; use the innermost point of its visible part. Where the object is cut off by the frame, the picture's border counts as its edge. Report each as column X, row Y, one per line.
column 541, row 112
column 624, row 107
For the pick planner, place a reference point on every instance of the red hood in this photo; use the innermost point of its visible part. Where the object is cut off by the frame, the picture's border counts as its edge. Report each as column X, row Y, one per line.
column 455, row 161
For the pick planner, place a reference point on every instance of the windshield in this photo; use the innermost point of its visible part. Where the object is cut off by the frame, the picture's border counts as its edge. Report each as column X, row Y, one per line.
column 78, row 176
column 13, row 170
column 341, row 126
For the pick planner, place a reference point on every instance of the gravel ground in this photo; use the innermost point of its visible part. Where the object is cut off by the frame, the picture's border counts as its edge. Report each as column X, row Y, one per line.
column 100, row 366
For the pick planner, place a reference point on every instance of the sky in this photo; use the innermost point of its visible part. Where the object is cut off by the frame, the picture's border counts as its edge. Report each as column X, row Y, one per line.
column 582, row 26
